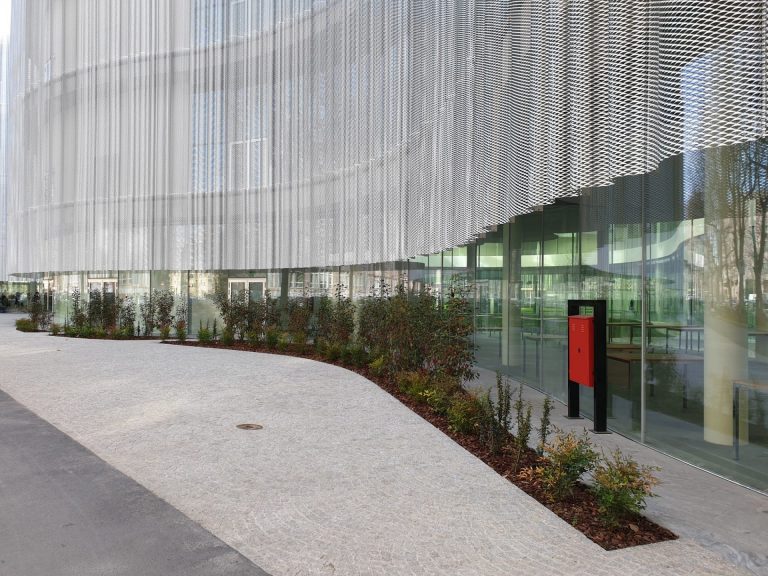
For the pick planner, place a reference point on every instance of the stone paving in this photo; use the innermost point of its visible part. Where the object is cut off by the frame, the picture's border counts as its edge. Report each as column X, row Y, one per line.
column 342, row 480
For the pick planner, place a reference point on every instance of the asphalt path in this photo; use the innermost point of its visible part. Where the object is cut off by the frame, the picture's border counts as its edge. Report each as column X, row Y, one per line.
column 64, row 511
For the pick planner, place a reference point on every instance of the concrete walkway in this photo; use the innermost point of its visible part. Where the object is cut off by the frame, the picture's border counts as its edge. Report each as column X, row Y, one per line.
column 343, row 479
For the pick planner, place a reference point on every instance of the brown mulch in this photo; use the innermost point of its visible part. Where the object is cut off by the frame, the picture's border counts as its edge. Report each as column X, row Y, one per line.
column 580, row 510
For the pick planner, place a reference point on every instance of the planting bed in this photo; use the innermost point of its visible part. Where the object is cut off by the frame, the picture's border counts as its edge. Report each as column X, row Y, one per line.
column 580, row 510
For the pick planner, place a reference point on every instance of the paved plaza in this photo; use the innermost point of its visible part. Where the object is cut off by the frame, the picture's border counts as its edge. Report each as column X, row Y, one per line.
column 341, row 480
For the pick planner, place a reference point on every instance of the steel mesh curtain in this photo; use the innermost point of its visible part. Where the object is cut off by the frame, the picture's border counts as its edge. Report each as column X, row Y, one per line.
column 237, row 134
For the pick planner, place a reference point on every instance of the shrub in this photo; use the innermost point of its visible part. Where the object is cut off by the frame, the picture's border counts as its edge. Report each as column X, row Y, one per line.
column 147, row 312
column 55, row 329
column 25, row 325
column 494, row 417
column 110, row 313
column 94, row 309
column 436, row 398
column 253, row 337
column 127, row 315
column 181, row 330
column 180, row 320
column 354, row 355
column 99, row 332
column 342, row 324
column 378, row 366
column 323, row 319
column 522, row 419
column 272, row 337
column 331, row 351
column 544, row 424
column 621, row 487
column 453, row 351
column 79, row 318
column 410, row 328
column 567, row 458
column 413, row 383
column 163, row 311
column 227, row 336
column 204, row 332
column 299, row 316
column 234, row 312
column 373, row 320
column 282, row 342
column 39, row 315
column 464, row 413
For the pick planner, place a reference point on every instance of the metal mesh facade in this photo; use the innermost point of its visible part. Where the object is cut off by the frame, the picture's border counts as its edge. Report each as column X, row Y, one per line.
column 239, row 134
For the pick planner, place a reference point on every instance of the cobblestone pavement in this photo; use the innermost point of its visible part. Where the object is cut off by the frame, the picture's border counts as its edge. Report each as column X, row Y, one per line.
column 342, row 480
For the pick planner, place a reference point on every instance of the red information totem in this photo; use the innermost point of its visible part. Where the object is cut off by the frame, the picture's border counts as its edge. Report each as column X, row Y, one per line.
column 581, row 350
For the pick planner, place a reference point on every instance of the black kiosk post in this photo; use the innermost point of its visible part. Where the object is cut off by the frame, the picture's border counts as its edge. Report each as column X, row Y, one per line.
column 587, row 349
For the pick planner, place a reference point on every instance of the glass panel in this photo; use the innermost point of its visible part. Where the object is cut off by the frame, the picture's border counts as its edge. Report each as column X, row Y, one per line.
column 706, row 235
column 525, row 272
column 255, row 291
column 202, row 310
column 559, row 283
column 608, row 252
column 488, row 301
column 235, row 288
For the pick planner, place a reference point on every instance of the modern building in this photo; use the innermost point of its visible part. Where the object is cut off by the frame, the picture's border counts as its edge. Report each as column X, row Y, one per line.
column 540, row 150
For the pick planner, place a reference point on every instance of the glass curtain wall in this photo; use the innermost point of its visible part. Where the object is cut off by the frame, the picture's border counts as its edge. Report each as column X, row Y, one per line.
column 679, row 255
column 706, row 364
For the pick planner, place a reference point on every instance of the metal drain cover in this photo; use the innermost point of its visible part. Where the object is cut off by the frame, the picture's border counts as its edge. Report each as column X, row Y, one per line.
column 250, row 426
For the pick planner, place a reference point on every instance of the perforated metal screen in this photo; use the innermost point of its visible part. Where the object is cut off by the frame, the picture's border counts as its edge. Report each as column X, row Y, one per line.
column 205, row 134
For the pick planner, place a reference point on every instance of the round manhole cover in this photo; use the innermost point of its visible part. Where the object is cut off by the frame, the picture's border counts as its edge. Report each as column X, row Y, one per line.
column 250, row 426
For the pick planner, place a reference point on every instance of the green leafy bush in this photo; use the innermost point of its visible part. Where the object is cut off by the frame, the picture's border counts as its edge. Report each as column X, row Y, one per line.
column 495, row 416
column 622, row 486
column 335, row 318
column 354, row 355
column 147, row 308
column 378, row 366
column 25, row 325
column 253, row 337
column 523, row 420
column 283, row 342
column 79, row 318
column 94, row 309
column 413, row 383
column 163, row 300
column 39, row 315
column 272, row 337
column 568, row 457
column 227, row 336
column 464, row 413
column 55, row 329
column 299, row 315
column 127, row 315
column 204, row 332
column 437, row 399
column 373, row 319
column 180, row 320
column 453, row 350
column 544, row 424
